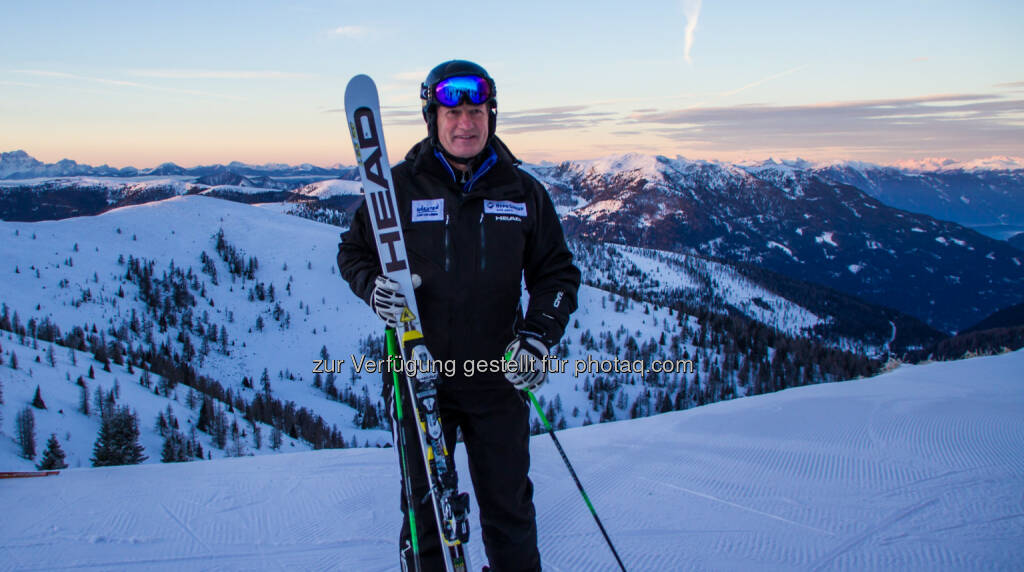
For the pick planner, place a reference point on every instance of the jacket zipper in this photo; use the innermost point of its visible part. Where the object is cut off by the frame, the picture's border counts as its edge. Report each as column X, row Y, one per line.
column 483, row 244
column 447, row 243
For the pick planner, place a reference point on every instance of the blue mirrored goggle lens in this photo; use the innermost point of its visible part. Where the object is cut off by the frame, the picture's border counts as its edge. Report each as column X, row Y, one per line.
column 452, row 91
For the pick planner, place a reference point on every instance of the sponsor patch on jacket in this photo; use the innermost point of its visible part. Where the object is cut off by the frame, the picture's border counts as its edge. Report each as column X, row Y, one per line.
column 505, row 208
column 428, row 210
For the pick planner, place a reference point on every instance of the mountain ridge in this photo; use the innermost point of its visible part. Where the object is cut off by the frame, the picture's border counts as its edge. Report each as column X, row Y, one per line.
column 794, row 222
column 757, row 213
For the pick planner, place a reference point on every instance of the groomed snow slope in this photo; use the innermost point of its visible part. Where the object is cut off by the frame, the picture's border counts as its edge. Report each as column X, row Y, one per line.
column 918, row 469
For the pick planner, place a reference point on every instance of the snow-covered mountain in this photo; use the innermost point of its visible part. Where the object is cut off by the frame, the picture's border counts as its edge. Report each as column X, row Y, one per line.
column 793, row 221
column 984, row 194
column 989, row 200
column 20, row 165
column 809, row 221
column 219, row 296
column 32, row 191
column 917, row 469
column 994, row 163
column 801, row 309
column 151, row 281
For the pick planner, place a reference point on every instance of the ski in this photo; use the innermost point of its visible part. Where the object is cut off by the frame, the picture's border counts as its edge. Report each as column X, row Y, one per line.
column 451, row 508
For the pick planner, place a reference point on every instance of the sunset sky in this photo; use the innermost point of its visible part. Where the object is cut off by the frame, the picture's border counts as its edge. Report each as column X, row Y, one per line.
column 140, row 83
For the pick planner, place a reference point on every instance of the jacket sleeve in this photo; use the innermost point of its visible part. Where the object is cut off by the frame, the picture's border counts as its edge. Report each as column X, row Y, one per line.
column 358, row 261
column 551, row 277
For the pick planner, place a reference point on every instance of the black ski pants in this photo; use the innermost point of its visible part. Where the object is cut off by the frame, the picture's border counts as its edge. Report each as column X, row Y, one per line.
column 494, row 419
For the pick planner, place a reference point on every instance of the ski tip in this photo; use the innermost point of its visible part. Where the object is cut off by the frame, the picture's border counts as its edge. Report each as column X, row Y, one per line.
column 360, row 91
column 361, row 80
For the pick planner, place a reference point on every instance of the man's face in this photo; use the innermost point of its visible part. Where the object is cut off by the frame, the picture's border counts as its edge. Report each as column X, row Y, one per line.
column 462, row 130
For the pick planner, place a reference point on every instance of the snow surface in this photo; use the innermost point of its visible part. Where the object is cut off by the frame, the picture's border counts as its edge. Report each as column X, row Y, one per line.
column 179, row 183
column 996, row 162
column 826, row 238
column 918, row 469
column 332, row 188
column 77, row 432
column 647, row 165
column 293, row 252
column 782, row 247
column 596, row 210
column 70, row 271
column 684, row 272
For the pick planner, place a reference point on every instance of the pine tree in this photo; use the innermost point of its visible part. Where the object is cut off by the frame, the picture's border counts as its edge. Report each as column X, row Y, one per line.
column 118, row 441
column 37, row 401
column 265, row 381
column 25, row 422
column 237, row 447
column 609, row 412
column 99, row 398
column 220, row 429
column 161, row 425
column 370, row 417
column 175, row 449
column 205, row 415
column 276, row 438
column 83, row 397
column 53, row 456
column 197, row 447
column 330, row 389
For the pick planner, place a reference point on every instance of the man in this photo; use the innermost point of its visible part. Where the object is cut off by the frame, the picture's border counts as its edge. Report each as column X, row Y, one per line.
column 475, row 226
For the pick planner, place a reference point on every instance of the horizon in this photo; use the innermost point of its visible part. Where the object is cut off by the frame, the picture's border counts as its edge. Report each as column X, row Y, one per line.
column 745, row 81
column 924, row 163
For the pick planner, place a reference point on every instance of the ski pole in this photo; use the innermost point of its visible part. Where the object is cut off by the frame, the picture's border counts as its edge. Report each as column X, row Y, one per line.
column 410, row 499
column 572, row 472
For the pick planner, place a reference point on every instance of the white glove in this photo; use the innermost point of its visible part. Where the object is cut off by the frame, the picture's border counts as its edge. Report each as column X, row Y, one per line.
column 387, row 299
column 528, row 353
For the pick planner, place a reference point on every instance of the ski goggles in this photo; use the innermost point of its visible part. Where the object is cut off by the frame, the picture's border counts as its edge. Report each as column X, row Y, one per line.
column 451, row 92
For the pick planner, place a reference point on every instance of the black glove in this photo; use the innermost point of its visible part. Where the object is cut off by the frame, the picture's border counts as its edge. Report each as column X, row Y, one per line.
column 528, row 352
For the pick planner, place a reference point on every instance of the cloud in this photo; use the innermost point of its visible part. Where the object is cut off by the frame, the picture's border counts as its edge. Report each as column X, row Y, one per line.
column 943, row 123
column 416, row 76
column 18, row 84
column 691, row 11
column 217, row 74
column 349, row 31
column 510, row 122
column 762, row 81
column 552, row 118
column 772, row 114
column 121, row 83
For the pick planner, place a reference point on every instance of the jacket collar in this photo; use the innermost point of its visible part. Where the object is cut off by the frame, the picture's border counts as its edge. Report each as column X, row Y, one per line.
column 503, row 172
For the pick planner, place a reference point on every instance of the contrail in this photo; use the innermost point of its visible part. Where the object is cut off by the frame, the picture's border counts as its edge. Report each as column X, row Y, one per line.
column 691, row 10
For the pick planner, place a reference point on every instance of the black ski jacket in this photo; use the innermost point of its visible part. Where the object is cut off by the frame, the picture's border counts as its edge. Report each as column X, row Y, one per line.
column 473, row 248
